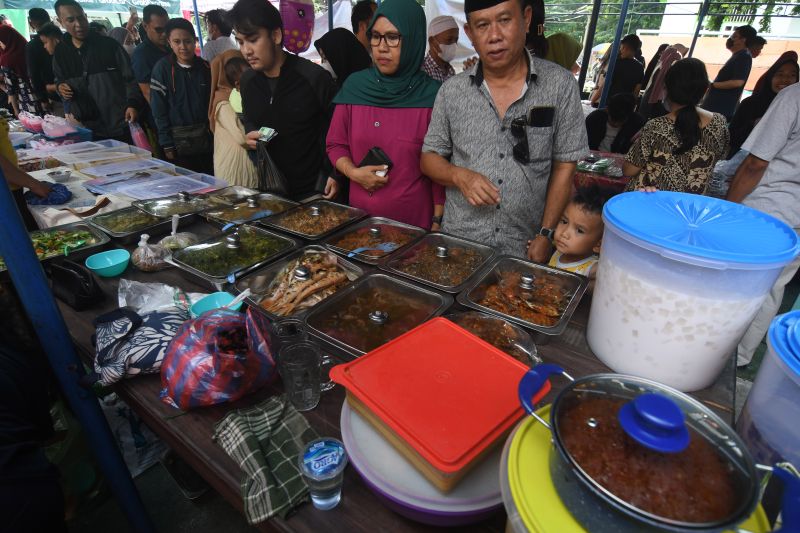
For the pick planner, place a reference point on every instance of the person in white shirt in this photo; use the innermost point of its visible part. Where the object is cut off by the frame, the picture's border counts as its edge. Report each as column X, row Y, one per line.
column 768, row 180
column 219, row 31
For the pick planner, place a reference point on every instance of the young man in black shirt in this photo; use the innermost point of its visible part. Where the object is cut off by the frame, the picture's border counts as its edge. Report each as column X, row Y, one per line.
column 287, row 93
column 360, row 18
column 725, row 91
column 40, row 65
column 93, row 75
column 628, row 72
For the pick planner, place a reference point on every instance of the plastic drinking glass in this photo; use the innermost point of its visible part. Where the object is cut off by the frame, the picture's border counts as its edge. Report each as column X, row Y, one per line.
column 322, row 463
column 299, row 365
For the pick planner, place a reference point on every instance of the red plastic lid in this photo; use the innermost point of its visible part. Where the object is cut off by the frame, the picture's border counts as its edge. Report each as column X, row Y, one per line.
column 447, row 393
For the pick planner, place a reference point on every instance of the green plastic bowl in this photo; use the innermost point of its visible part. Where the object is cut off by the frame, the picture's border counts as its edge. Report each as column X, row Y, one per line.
column 215, row 300
column 109, row 263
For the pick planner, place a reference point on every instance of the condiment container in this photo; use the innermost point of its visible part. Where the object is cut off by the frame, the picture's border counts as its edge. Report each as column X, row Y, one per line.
column 373, row 311
column 530, row 498
column 223, row 258
column 442, row 261
column 315, row 220
column 629, row 455
column 127, row 224
column 373, row 239
column 404, row 490
column 250, row 209
column 441, row 396
column 532, row 295
column 297, row 282
column 680, row 278
column 768, row 422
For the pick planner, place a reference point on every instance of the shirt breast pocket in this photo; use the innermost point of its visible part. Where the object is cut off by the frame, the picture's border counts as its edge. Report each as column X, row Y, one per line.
column 540, row 142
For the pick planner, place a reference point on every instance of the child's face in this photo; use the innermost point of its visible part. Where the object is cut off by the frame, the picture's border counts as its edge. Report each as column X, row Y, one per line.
column 578, row 233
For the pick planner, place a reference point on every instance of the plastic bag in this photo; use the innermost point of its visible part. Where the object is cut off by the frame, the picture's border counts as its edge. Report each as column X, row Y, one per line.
column 178, row 241
column 218, row 357
column 270, row 177
column 139, row 137
column 54, row 126
column 149, row 257
column 31, row 122
column 148, row 297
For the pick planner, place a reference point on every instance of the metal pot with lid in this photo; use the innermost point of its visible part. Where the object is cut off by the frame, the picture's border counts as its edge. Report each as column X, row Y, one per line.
column 630, row 454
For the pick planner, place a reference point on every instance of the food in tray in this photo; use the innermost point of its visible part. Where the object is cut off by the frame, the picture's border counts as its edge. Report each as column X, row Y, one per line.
column 52, row 243
column 697, row 482
column 126, row 220
column 304, row 221
column 541, row 304
column 218, row 259
column 378, row 243
column 303, row 283
column 448, row 271
column 496, row 332
column 353, row 320
column 247, row 212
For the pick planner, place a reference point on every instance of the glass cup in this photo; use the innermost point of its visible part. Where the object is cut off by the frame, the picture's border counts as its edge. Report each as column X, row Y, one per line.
column 322, row 463
column 291, row 331
column 299, row 366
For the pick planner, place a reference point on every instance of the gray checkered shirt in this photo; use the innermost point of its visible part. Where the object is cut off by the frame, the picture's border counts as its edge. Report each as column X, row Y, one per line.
column 466, row 129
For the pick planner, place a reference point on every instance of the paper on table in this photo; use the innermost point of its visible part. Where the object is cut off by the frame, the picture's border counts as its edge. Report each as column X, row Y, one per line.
column 163, row 187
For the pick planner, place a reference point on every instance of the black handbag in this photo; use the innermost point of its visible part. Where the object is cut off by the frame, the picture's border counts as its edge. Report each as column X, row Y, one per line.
column 74, row 285
column 192, row 140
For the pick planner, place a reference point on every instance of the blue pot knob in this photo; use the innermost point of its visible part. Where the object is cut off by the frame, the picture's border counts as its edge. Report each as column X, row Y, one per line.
column 655, row 421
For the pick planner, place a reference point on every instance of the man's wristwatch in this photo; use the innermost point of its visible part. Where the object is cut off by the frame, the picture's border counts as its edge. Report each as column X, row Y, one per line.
column 437, row 220
column 546, row 232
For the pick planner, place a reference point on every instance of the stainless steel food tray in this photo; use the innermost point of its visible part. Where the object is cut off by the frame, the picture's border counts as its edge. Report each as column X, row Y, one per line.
column 370, row 222
column 390, row 264
column 574, row 285
column 259, row 280
column 274, row 221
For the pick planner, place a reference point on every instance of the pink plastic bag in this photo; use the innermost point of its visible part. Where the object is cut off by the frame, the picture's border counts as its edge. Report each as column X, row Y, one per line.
column 298, row 24
column 139, row 137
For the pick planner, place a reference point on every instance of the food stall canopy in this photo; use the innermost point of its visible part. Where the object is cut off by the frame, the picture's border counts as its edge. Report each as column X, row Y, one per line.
column 172, row 6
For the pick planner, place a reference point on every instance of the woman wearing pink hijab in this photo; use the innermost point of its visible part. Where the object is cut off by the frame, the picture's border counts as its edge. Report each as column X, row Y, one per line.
column 14, row 72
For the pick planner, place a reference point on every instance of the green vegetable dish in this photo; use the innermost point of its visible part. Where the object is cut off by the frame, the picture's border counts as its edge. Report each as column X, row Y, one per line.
column 126, row 220
column 53, row 243
column 231, row 252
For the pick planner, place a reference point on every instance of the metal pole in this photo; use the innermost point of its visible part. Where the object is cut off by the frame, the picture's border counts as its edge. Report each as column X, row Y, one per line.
column 700, row 17
column 588, row 43
column 199, row 27
column 28, row 278
column 612, row 61
column 330, row 15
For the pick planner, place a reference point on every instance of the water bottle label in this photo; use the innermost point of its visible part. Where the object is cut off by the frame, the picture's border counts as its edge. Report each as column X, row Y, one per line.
column 323, row 457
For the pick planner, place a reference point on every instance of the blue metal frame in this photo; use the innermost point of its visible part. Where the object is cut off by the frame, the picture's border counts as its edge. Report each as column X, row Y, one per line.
column 700, row 18
column 199, row 27
column 330, row 15
column 31, row 285
column 612, row 62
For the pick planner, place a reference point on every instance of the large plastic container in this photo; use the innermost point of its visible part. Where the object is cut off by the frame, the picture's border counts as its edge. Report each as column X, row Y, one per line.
column 680, row 278
column 768, row 422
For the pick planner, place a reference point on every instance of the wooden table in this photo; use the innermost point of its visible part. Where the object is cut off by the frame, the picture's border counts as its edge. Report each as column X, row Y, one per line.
column 189, row 434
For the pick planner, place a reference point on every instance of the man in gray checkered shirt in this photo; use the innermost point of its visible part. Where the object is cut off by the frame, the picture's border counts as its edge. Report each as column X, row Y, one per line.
column 505, row 137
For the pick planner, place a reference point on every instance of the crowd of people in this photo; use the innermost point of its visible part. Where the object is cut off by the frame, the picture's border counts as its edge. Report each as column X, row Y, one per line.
column 384, row 123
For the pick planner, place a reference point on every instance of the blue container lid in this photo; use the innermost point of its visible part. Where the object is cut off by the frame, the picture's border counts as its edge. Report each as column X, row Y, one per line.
column 702, row 226
column 784, row 337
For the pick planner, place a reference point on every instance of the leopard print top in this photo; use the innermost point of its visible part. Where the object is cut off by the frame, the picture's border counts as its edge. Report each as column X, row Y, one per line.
column 687, row 172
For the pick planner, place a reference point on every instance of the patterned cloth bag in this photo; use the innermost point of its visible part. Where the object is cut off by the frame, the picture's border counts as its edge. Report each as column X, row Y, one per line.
column 218, row 357
column 128, row 344
column 298, row 24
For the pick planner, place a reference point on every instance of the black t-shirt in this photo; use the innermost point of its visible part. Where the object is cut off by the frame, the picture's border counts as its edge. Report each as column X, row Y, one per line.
column 40, row 67
column 724, row 101
column 300, row 110
column 628, row 73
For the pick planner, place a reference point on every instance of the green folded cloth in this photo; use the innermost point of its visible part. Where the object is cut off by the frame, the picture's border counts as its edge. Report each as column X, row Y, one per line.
column 265, row 440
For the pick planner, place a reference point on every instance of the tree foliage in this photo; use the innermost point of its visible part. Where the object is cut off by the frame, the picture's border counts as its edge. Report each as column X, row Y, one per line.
column 569, row 17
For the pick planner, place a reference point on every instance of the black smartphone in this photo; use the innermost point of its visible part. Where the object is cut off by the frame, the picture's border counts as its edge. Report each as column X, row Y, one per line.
column 376, row 156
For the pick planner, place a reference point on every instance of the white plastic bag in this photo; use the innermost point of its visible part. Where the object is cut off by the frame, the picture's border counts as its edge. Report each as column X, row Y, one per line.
column 148, row 297
column 150, row 257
